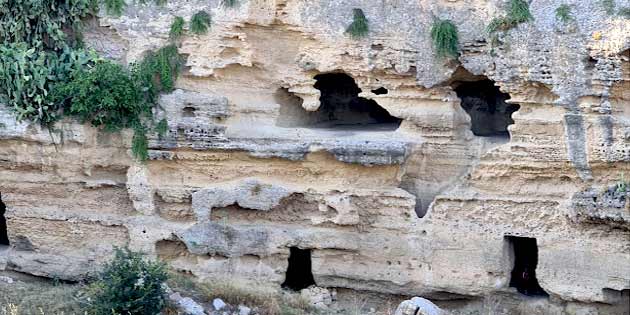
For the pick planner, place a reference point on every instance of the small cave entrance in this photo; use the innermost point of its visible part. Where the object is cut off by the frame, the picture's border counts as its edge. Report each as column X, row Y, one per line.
column 4, row 233
column 299, row 273
column 341, row 108
column 524, row 251
column 486, row 105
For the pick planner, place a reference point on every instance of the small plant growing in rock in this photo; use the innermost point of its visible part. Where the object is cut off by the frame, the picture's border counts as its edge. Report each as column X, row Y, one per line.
column 129, row 285
column 445, row 38
column 608, row 6
column 115, row 7
column 625, row 12
column 229, row 3
column 200, row 22
column 563, row 13
column 359, row 26
column 622, row 185
column 518, row 12
column 177, row 27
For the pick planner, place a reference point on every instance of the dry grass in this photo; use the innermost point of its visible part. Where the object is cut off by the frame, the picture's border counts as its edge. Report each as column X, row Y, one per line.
column 269, row 301
column 21, row 298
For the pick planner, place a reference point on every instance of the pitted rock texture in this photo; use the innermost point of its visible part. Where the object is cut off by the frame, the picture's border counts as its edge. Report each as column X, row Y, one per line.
column 421, row 209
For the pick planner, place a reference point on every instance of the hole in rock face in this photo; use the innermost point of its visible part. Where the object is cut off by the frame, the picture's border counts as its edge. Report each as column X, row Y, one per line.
column 299, row 273
column 380, row 91
column 523, row 276
column 486, row 105
column 340, row 107
column 188, row 112
column 4, row 235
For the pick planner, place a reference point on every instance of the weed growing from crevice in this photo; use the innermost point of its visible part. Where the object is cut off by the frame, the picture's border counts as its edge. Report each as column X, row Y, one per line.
column 563, row 13
column 229, row 3
column 200, row 23
column 114, row 7
column 608, row 6
column 359, row 26
column 177, row 28
column 445, row 38
column 518, row 12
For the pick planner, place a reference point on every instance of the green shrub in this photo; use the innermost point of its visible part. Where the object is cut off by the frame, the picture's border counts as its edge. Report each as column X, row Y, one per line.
column 518, row 12
column 158, row 70
column 27, row 78
column 445, row 38
column 608, row 6
column 359, row 26
column 563, row 13
column 200, row 22
column 129, row 285
column 177, row 27
column 115, row 7
column 41, row 24
column 229, row 3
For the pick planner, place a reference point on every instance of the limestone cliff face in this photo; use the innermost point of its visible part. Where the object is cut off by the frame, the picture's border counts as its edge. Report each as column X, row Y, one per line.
column 411, row 185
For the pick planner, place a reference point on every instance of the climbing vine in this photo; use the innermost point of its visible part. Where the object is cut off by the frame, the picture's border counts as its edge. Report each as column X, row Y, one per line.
column 45, row 73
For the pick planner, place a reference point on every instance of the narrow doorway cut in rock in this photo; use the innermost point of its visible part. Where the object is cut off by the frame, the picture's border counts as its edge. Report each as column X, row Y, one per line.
column 524, row 251
column 340, row 108
column 299, row 273
column 4, row 233
column 484, row 102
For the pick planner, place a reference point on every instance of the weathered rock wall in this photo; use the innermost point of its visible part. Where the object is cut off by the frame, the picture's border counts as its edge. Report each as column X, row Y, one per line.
column 422, row 209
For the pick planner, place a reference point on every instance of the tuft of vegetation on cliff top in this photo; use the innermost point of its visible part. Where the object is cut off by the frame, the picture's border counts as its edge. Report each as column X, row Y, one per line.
column 200, row 23
column 518, row 12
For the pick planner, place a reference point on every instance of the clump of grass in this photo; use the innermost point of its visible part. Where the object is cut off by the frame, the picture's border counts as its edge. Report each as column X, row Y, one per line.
column 39, row 297
column 114, row 7
column 359, row 26
column 518, row 12
column 268, row 300
column 177, row 27
column 563, row 13
column 229, row 3
column 200, row 23
column 608, row 6
column 445, row 38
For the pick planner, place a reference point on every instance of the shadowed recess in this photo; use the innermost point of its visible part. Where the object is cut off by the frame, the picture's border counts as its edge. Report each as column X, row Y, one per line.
column 523, row 276
column 299, row 273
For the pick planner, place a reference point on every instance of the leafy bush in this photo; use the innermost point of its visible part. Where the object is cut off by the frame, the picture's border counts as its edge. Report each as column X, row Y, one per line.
column 359, row 26
column 200, row 22
column 563, row 13
column 518, row 12
column 41, row 23
column 177, row 28
column 445, row 38
column 129, row 285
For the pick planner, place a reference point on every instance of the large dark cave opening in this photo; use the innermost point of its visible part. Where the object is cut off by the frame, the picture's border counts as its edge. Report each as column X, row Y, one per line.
column 340, row 107
column 4, row 234
column 486, row 105
column 523, row 276
column 299, row 273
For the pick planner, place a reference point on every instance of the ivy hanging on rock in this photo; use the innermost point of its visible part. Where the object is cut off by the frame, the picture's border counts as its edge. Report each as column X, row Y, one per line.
column 45, row 74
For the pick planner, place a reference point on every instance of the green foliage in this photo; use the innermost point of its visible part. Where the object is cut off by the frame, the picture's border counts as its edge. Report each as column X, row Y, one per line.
column 200, row 22
column 608, row 6
column 622, row 185
column 359, row 26
column 27, row 78
column 229, row 3
column 158, row 70
column 177, row 28
column 41, row 24
column 161, row 128
column 563, row 13
column 129, row 285
column 518, row 12
column 114, row 7
column 625, row 12
column 445, row 38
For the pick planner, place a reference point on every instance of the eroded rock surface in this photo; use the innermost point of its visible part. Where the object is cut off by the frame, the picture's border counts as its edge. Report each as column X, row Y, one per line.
column 412, row 203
